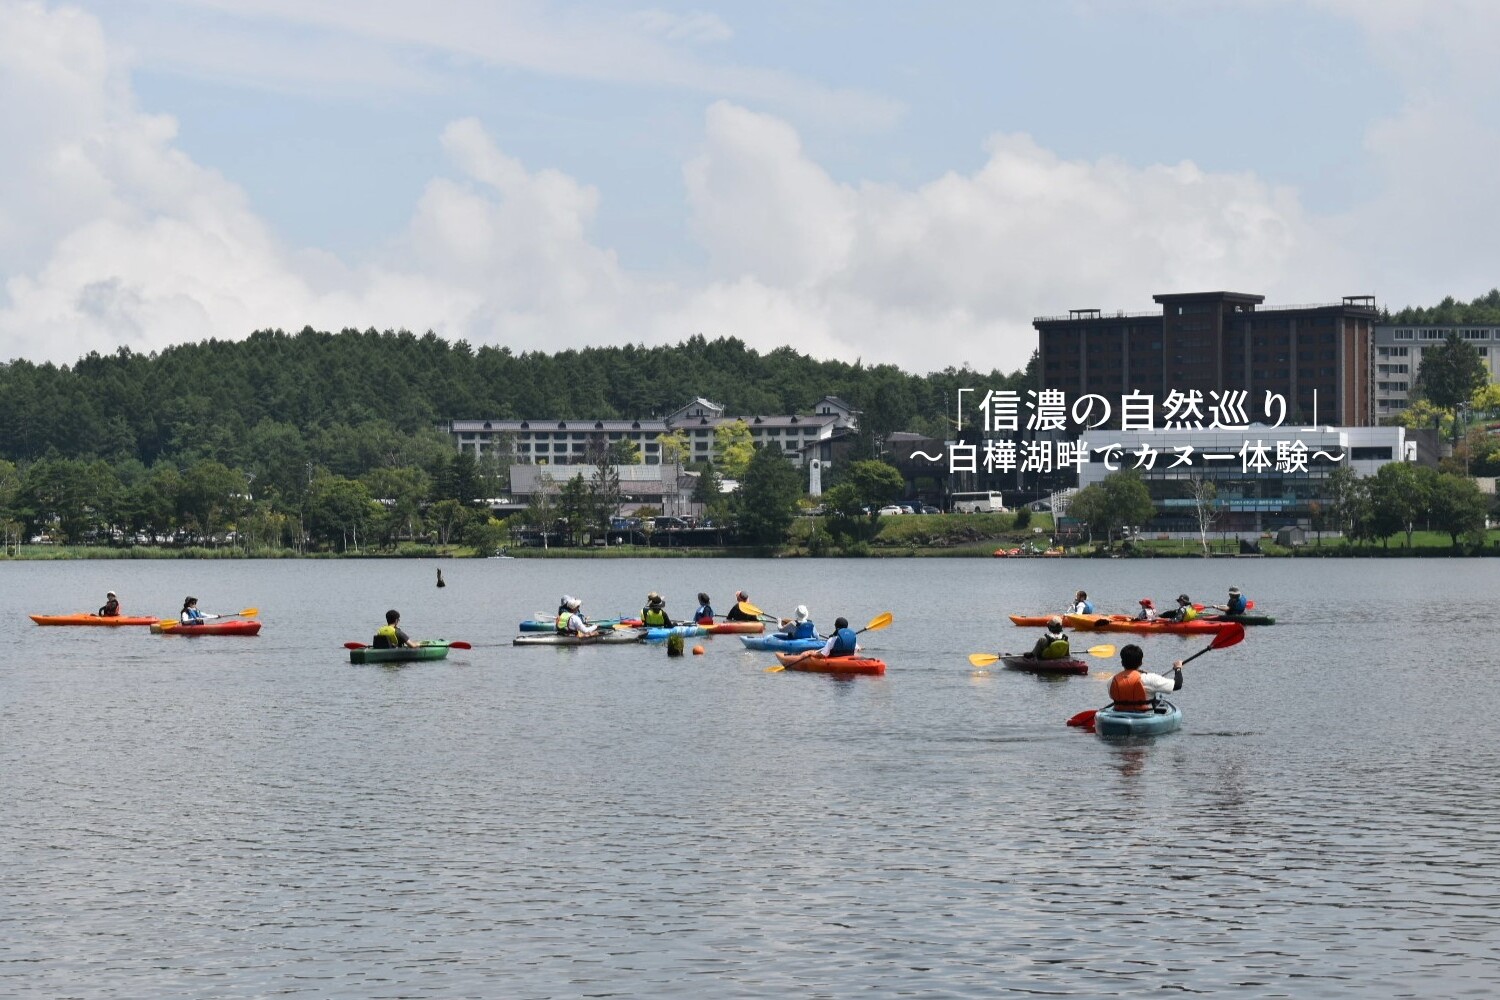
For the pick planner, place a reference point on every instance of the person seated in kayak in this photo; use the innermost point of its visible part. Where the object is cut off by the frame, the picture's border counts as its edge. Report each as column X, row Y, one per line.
column 1147, row 612
column 799, row 626
column 1237, row 604
column 389, row 635
column 654, row 614
column 190, row 615
column 1080, row 605
column 111, row 607
column 1053, row 645
column 572, row 622
column 1184, row 612
column 1133, row 690
column 741, row 613
column 705, row 613
column 843, row 641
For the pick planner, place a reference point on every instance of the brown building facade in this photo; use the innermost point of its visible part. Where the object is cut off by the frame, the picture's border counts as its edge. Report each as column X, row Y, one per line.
column 1221, row 341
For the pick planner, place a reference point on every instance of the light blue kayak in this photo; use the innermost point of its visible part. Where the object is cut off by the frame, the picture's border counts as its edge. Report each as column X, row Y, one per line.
column 1167, row 718
column 773, row 644
column 686, row 631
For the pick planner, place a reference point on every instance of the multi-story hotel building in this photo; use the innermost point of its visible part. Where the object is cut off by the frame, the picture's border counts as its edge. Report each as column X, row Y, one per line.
column 1317, row 357
column 569, row 442
column 1398, row 355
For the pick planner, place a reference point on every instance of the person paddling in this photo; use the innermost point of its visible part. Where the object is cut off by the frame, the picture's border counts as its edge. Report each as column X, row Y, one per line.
column 111, row 608
column 843, row 641
column 1132, row 690
column 1053, row 645
column 1237, row 604
column 799, row 626
column 654, row 614
column 190, row 615
column 705, row 613
column 1147, row 612
column 1080, row 605
column 741, row 613
column 572, row 622
column 1184, row 612
column 389, row 635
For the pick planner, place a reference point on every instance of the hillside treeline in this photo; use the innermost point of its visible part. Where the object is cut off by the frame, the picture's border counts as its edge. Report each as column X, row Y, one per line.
column 223, row 400
column 1451, row 312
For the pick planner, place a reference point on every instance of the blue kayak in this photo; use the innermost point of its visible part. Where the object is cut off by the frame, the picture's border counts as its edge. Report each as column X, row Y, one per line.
column 1166, row 718
column 772, row 643
column 686, row 631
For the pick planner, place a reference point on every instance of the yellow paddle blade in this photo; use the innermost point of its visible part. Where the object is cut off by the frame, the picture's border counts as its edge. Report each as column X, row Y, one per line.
column 1104, row 650
column 776, row 669
column 246, row 613
column 983, row 659
column 754, row 610
column 880, row 621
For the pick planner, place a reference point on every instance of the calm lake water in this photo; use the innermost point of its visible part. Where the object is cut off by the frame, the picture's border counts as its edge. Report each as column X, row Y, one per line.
column 233, row 817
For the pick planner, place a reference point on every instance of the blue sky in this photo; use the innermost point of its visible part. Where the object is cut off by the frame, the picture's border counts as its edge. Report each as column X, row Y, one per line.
column 906, row 183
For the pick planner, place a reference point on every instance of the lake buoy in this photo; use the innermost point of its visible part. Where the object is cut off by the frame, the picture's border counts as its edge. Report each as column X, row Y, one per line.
column 697, row 650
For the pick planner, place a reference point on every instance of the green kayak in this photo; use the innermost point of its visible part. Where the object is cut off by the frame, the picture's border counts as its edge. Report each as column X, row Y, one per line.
column 372, row 655
column 1242, row 619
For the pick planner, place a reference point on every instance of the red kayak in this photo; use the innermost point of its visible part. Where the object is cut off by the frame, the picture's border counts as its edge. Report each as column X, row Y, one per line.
column 736, row 628
column 1036, row 666
column 113, row 621
column 830, row 664
column 240, row 627
column 1125, row 623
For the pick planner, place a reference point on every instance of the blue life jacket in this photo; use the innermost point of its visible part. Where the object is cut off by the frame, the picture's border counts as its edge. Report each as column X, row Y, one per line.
column 1237, row 605
column 804, row 630
column 844, row 642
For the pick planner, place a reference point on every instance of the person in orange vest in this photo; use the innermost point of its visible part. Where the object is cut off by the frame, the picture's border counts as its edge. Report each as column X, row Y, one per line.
column 1133, row 690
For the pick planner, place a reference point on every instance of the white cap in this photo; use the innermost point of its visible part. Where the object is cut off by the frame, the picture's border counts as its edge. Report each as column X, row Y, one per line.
column 110, row 593
column 574, row 603
column 801, row 612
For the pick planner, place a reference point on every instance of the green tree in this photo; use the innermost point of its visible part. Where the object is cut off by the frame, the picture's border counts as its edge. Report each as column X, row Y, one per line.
column 623, row 452
column 768, row 495
column 1347, row 497
column 875, row 482
column 339, row 510
column 576, row 506
column 1399, row 497
column 675, row 448
column 1451, row 373
column 734, row 448
column 1456, row 506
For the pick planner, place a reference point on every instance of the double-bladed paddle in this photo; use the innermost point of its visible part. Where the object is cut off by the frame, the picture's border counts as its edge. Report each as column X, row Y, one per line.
column 242, row 613
column 985, row 659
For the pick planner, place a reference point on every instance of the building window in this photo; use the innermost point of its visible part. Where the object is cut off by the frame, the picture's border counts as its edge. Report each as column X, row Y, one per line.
column 1434, row 335
column 1403, row 335
column 1370, row 454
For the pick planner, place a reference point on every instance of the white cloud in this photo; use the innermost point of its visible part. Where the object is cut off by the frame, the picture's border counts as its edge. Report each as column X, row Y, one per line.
column 110, row 234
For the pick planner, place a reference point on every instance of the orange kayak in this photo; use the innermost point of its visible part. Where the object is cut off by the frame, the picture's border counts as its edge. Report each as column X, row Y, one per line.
column 1038, row 620
column 736, row 628
column 1125, row 623
column 114, row 621
column 831, row 664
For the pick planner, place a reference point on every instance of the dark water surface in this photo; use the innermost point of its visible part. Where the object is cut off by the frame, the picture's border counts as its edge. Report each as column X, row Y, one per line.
column 231, row 817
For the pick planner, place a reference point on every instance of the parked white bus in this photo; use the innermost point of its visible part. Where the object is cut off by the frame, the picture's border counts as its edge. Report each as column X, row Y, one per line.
column 984, row 501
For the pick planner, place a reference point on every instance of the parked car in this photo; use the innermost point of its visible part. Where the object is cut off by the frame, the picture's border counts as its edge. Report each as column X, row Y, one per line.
column 928, row 508
column 890, row 508
column 668, row 524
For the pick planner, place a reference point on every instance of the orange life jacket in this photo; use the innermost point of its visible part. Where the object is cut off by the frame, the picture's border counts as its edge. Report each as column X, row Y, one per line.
column 1128, row 693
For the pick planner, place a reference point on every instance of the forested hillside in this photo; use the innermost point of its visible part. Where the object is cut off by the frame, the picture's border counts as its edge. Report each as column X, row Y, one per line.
column 283, row 429
column 222, row 400
column 1484, row 309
